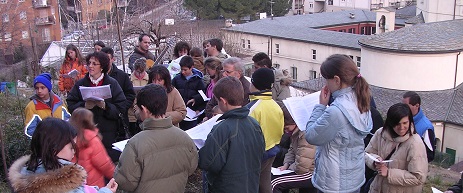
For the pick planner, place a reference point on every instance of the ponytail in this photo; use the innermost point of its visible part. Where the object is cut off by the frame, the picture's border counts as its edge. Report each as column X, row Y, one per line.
column 362, row 92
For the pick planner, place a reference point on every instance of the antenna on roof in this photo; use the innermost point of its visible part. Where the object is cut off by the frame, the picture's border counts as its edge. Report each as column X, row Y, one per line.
column 271, row 8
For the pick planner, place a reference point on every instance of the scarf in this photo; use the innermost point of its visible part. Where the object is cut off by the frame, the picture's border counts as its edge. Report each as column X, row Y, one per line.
column 95, row 82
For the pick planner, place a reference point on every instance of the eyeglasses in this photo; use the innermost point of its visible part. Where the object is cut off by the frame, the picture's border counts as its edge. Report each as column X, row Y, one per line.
column 94, row 64
column 227, row 71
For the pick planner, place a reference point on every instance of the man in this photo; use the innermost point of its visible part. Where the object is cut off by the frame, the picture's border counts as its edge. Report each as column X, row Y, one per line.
column 159, row 158
column 423, row 126
column 232, row 67
column 214, row 49
column 233, row 150
column 141, row 50
column 280, row 89
column 124, row 81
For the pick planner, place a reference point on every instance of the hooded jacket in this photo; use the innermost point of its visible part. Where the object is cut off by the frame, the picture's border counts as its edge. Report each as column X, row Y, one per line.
column 158, row 159
column 36, row 110
column 300, row 155
column 69, row 178
column 409, row 168
column 338, row 132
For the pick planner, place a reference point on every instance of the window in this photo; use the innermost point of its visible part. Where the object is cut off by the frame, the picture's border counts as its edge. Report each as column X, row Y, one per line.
column 5, row 18
column 25, row 34
column 3, row 1
column 243, row 43
column 100, row 1
column 359, row 59
column 277, row 66
column 351, row 57
column 249, row 44
column 342, row 30
column 7, row 36
column 277, row 48
column 89, row 2
column 352, row 30
column 373, row 30
column 314, row 54
column 312, row 74
column 330, row 2
column 20, row 1
column 311, row 5
column 22, row 15
column 294, row 73
column 362, row 30
column 46, row 34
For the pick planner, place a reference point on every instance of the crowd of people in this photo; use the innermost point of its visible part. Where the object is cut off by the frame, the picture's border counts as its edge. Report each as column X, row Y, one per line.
column 344, row 147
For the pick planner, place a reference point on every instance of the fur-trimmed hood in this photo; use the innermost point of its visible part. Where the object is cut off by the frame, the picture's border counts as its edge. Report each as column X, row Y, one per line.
column 69, row 177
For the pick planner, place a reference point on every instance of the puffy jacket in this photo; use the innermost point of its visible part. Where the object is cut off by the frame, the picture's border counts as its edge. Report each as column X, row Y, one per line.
column 338, row 133
column 301, row 155
column 36, row 110
column 409, row 168
column 66, row 84
column 176, row 108
column 158, row 159
column 189, row 88
column 422, row 124
column 232, row 153
column 94, row 158
column 70, row 178
column 269, row 116
column 108, row 118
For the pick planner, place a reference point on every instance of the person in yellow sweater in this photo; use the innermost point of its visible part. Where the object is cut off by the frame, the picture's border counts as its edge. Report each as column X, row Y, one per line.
column 43, row 104
column 270, row 117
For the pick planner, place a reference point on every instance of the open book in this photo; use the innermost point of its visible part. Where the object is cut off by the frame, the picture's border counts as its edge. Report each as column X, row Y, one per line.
column 98, row 93
column 72, row 74
column 192, row 115
column 301, row 108
column 119, row 146
column 203, row 95
column 200, row 132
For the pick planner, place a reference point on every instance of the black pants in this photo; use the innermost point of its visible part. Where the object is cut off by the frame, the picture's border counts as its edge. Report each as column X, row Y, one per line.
column 282, row 183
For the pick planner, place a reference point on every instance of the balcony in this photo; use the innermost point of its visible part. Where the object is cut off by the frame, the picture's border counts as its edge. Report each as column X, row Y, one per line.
column 45, row 20
column 122, row 3
column 74, row 9
column 41, row 3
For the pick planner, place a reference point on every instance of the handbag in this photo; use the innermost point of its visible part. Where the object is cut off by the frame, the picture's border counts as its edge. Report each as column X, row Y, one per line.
column 366, row 188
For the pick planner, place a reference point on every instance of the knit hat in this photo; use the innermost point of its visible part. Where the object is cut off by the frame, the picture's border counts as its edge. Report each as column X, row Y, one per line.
column 45, row 79
column 288, row 119
column 263, row 78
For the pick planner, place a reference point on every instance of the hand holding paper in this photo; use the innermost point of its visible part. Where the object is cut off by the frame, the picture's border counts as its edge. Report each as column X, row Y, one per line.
column 98, row 93
column 377, row 160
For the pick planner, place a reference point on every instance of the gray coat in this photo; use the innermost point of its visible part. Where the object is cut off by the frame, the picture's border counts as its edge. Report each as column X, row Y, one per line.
column 338, row 131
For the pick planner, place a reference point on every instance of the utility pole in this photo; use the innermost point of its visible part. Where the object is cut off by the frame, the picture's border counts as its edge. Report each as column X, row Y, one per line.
column 118, row 21
column 271, row 8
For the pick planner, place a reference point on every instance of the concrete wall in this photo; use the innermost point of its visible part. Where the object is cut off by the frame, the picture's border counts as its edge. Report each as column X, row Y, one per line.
column 439, row 10
column 452, row 139
column 291, row 53
column 420, row 72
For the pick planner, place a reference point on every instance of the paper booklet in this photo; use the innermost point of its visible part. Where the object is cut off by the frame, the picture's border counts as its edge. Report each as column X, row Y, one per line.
column 203, row 95
column 72, row 74
column 119, row 146
column 435, row 190
column 277, row 172
column 191, row 115
column 98, row 93
column 301, row 108
column 376, row 160
column 200, row 132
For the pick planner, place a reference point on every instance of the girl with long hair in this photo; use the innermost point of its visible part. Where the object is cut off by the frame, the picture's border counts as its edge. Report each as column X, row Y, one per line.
column 48, row 168
column 338, row 130
column 73, row 60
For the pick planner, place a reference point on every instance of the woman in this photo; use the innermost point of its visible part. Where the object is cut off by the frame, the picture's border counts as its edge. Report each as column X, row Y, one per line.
column 397, row 141
column 139, row 78
column 106, row 113
column 72, row 61
column 181, row 49
column 213, row 67
column 176, row 108
column 338, row 130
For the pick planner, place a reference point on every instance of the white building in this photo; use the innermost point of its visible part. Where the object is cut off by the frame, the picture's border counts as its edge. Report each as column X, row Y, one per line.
column 440, row 10
column 300, row 7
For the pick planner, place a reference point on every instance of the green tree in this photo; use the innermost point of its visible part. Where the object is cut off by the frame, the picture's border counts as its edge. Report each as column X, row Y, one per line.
column 280, row 7
column 233, row 9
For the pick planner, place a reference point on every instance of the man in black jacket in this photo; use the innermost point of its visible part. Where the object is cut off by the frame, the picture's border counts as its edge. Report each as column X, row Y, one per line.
column 124, row 81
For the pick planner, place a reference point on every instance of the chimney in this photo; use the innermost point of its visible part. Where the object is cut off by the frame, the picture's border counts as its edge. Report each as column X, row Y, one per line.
column 352, row 15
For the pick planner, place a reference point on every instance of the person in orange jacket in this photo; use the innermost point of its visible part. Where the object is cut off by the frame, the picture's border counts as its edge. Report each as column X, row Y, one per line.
column 92, row 154
column 73, row 60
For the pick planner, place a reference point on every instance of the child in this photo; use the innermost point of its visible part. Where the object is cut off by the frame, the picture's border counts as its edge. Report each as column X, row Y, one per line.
column 188, row 82
column 43, row 104
column 48, row 168
column 299, row 159
column 216, row 110
column 270, row 117
column 232, row 153
column 92, row 154
column 73, row 60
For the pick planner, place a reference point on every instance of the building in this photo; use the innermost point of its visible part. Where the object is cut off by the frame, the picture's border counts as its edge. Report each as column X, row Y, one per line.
column 300, row 43
column 439, row 10
column 28, row 22
column 300, row 7
column 92, row 12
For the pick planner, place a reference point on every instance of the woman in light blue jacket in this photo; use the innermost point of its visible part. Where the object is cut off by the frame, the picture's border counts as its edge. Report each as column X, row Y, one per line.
column 338, row 130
